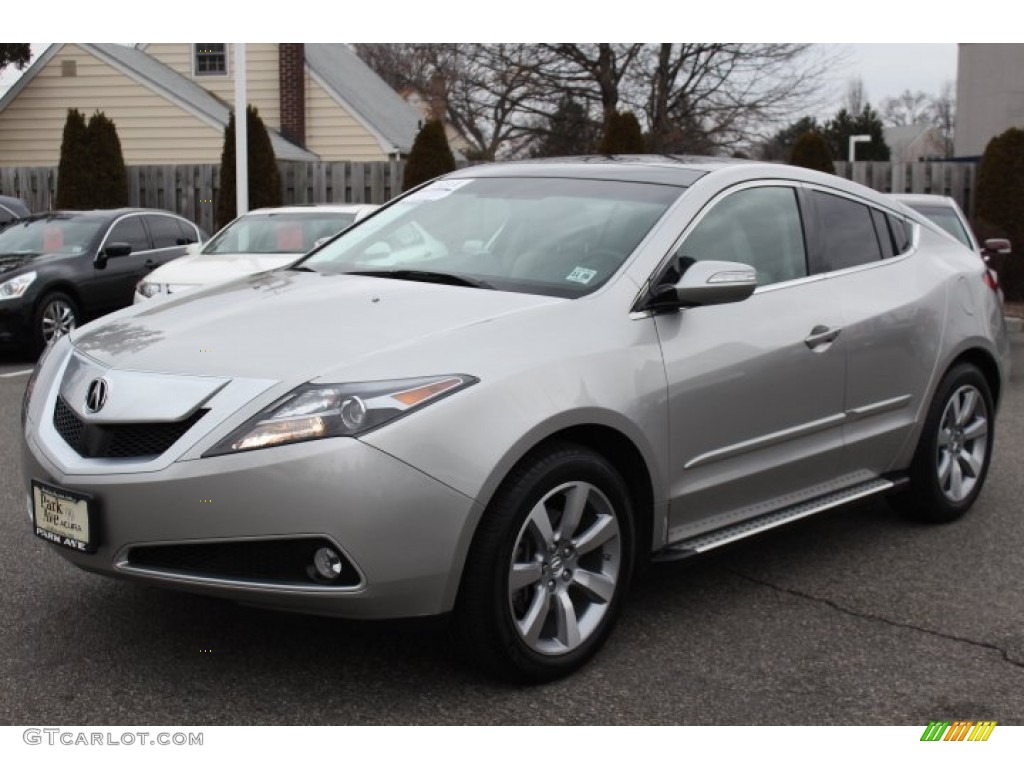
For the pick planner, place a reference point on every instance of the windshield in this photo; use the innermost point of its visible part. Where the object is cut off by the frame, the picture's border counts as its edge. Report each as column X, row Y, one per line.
column 52, row 234
column 287, row 233
column 948, row 220
column 560, row 237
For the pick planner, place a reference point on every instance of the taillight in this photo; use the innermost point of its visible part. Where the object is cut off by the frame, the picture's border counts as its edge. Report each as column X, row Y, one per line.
column 991, row 280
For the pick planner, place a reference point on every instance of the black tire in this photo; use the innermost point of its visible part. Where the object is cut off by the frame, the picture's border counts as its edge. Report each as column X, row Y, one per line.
column 961, row 446
column 491, row 613
column 56, row 314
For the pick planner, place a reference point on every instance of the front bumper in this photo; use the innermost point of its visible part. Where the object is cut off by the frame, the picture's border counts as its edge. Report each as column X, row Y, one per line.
column 15, row 321
column 406, row 533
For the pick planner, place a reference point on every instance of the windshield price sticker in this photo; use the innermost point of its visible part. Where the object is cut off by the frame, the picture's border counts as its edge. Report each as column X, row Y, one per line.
column 437, row 191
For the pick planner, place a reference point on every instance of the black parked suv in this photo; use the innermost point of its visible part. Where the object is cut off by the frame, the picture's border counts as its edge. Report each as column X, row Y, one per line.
column 61, row 268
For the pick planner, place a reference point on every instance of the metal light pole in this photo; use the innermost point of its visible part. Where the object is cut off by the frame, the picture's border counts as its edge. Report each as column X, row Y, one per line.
column 241, row 135
column 855, row 140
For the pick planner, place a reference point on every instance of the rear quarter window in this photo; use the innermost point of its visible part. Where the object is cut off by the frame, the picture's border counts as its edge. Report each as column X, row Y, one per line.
column 847, row 231
column 900, row 232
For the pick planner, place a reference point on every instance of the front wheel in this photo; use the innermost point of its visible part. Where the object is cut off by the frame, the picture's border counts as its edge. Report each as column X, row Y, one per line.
column 548, row 567
column 954, row 451
column 56, row 315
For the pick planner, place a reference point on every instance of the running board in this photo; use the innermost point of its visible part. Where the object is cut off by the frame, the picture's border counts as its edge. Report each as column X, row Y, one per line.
column 722, row 536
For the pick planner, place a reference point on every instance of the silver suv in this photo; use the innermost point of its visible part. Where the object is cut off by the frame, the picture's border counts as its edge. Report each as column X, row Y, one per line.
column 501, row 393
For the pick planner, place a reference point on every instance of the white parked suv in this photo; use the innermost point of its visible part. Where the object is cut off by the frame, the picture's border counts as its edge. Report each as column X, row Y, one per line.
column 947, row 214
column 263, row 239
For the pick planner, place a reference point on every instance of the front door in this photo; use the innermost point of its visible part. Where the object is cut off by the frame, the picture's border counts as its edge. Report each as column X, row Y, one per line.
column 755, row 388
column 114, row 285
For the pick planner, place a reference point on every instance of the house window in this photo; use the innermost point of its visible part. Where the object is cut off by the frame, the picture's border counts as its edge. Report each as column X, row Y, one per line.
column 211, row 58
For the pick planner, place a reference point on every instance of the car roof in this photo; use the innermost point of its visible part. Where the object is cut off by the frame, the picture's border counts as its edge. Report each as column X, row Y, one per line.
column 108, row 213
column 675, row 170
column 15, row 205
column 925, row 199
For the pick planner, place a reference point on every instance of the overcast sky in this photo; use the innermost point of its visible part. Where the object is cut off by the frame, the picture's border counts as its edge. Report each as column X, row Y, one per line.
column 890, row 68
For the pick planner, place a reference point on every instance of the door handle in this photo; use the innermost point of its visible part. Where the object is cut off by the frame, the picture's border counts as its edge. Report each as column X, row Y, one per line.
column 150, row 264
column 820, row 335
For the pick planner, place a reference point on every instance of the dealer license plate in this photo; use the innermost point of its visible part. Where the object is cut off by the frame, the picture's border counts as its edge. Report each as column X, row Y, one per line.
column 63, row 517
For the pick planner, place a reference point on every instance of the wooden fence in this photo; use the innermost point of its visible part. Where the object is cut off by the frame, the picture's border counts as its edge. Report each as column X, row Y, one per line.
column 192, row 190
column 954, row 180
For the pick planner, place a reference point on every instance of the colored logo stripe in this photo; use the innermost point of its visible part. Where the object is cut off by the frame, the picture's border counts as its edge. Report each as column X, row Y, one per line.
column 982, row 731
column 960, row 730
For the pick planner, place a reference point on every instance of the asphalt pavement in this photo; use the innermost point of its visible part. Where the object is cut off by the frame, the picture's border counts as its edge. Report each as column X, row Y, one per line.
column 855, row 617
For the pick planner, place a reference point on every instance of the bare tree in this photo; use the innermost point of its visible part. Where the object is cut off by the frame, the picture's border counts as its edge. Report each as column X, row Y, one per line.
column 694, row 97
column 856, row 97
column 489, row 93
column 907, row 109
column 591, row 72
column 495, row 94
column 943, row 108
column 400, row 65
column 723, row 95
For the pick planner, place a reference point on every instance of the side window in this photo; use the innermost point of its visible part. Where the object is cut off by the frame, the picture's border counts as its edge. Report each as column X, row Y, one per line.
column 186, row 232
column 883, row 233
column 130, row 230
column 164, row 230
column 900, row 232
column 848, row 233
column 760, row 227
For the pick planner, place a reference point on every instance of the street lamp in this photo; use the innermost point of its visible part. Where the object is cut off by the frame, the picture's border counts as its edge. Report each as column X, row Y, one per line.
column 855, row 140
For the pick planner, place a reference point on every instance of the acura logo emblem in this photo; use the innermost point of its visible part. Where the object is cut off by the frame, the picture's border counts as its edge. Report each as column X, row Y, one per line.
column 96, row 397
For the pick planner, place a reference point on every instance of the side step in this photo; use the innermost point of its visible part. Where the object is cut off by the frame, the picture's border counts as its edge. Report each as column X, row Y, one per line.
column 722, row 536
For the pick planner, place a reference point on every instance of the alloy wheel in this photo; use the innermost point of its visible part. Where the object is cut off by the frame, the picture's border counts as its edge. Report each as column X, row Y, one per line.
column 962, row 443
column 564, row 569
column 58, row 318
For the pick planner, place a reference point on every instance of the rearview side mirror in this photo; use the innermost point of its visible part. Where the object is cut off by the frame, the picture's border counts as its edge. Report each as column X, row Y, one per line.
column 704, row 283
column 997, row 246
column 112, row 251
column 193, row 249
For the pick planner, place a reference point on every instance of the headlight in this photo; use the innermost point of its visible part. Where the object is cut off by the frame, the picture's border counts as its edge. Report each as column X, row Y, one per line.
column 16, row 286
column 314, row 411
column 149, row 290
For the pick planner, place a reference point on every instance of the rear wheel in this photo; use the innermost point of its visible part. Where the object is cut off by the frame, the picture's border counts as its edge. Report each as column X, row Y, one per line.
column 954, row 451
column 548, row 568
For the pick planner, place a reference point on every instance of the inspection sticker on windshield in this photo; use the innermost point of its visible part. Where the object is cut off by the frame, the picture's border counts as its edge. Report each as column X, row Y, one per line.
column 581, row 275
column 437, row 190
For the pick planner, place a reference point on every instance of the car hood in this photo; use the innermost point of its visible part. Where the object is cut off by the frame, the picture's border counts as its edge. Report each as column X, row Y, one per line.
column 287, row 325
column 203, row 269
column 12, row 261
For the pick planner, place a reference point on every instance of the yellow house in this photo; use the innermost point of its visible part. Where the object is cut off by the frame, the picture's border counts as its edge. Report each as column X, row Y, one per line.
column 171, row 102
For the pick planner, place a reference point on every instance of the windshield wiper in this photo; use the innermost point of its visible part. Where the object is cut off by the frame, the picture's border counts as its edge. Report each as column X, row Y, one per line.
column 445, row 278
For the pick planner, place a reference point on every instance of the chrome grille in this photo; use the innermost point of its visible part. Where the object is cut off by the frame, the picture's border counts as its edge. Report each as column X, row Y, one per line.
column 118, row 441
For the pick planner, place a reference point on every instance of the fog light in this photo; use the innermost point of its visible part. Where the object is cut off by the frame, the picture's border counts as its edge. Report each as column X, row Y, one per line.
column 327, row 564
